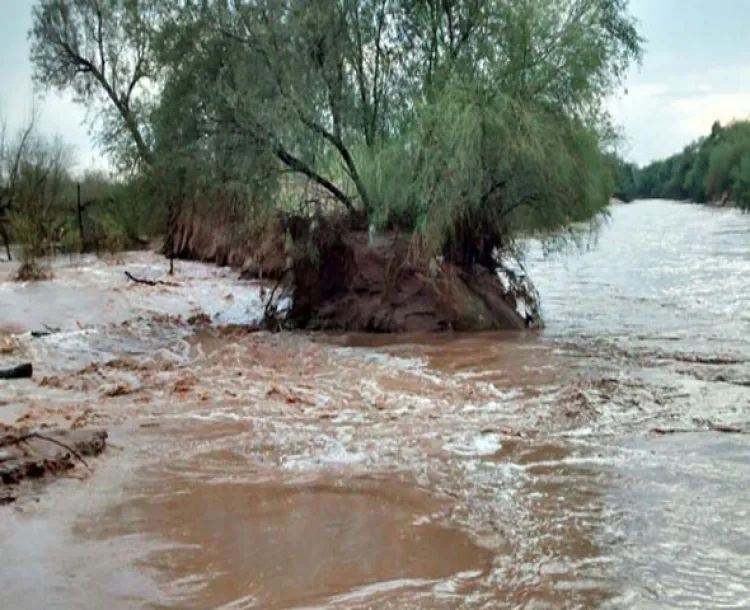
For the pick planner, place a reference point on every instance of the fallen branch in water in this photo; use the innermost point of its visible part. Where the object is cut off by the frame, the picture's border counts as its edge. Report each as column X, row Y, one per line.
column 10, row 439
column 270, row 315
column 48, row 330
column 140, row 280
column 22, row 371
column 710, row 427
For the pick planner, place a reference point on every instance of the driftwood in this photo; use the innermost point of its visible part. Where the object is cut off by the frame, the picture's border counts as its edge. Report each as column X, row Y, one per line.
column 139, row 280
column 48, row 330
column 145, row 282
column 708, row 427
column 22, row 371
column 10, row 439
column 31, row 454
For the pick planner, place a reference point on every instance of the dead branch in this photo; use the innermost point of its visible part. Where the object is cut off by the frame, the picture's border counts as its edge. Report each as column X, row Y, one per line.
column 146, row 282
column 271, row 319
column 24, row 438
column 48, row 330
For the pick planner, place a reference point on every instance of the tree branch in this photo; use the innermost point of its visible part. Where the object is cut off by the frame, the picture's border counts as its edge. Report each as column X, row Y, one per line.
column 100, row 36
column 372, row 126
column 345, row 155
column 301, row 167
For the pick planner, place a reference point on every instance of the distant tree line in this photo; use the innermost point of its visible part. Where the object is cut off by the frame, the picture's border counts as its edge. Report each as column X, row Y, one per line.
column 713, row 168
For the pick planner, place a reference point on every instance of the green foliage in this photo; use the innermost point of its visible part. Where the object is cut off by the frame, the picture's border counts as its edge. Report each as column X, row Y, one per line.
column 39, row 201
column 713, row 168
column 70, row 239
column 101, row 51
column 740, row 178
column 458, row 120
column 625, row 178
column 486, row 163
column 112, row 238
column 33, row 175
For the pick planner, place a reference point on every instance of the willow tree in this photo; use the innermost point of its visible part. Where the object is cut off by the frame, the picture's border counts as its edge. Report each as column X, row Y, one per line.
column 430, row 115
column 461, row 121
column 101, row 51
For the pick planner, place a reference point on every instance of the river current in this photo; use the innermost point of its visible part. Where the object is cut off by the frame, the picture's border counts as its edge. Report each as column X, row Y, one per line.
column 599, row 463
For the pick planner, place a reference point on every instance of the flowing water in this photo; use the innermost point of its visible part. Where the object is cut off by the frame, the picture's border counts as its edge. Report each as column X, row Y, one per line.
column 482, row 471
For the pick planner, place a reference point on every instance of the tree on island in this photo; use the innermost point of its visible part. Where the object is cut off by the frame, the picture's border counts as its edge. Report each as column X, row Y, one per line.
column 456, row 124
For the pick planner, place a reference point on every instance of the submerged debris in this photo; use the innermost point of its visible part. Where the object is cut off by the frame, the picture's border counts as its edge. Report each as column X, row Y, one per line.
column 22, row 371
column 32, row 271
column 29, row 454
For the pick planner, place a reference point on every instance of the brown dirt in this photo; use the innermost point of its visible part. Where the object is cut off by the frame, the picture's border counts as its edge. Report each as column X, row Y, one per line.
column 24, row 455
column 341, row 282
column 359, row 287
column 212, row 240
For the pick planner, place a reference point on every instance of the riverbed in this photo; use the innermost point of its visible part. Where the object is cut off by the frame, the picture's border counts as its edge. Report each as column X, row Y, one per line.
column 576, row 467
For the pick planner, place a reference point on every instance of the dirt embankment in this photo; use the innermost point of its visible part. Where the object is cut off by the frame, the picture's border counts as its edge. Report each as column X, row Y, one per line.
column 353, row 285
column 338, row 280
column 215, row 240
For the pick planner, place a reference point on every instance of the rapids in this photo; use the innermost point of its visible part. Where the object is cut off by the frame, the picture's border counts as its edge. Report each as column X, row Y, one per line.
column 520, row 470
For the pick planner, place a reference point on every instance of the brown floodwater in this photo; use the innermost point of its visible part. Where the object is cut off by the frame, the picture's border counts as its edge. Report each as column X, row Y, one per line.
column 250, row 470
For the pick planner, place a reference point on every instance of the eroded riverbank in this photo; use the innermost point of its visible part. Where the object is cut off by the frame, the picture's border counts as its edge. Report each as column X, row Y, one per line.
column 286, row 471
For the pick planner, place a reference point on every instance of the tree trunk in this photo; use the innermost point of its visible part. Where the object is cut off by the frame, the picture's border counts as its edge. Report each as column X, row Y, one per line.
column 80, row 216
column 6, row 238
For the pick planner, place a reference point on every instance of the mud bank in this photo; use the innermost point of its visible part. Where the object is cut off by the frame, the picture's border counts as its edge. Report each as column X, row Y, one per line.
column 357, row 286
column 337, row 279
column 216, row 240
column 28, row 454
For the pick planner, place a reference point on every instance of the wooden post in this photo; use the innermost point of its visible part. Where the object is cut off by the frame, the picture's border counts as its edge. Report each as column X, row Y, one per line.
column 80, row 216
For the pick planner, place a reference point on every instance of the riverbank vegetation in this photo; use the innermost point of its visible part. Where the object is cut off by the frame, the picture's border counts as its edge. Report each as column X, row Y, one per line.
column 714, row 168
column 316, row 140
column 45, row 207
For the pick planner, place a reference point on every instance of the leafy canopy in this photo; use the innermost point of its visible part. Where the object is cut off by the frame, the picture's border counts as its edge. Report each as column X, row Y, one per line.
column 454, row 119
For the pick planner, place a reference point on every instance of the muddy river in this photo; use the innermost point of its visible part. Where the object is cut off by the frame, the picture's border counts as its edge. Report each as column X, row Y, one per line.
column 249, row 470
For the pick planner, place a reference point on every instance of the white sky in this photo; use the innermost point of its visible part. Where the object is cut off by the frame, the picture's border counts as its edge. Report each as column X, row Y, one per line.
column 696, row 69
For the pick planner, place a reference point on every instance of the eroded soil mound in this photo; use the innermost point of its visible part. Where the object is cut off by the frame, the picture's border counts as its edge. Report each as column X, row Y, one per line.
column 337, row 279
column 354, row 285
column 26, row 454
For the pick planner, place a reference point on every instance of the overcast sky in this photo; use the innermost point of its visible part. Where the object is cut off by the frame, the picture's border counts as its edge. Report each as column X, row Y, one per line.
column 696, row 69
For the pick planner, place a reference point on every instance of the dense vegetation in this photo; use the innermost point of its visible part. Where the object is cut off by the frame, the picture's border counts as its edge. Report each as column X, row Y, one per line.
column 43, row 205
column 459, row 122
column 418, row 114
column 713, row 168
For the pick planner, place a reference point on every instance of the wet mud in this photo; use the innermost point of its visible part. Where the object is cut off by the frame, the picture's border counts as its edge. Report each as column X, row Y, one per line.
column 351, row 284
column 355, row 285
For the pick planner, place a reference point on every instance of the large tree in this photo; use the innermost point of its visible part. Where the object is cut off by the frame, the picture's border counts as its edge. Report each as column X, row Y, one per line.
column 457, row 119
column 101, row 51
